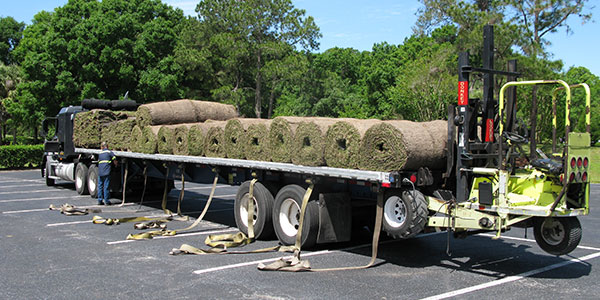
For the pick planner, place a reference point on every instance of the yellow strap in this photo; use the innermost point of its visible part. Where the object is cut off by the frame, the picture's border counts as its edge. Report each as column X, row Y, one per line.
column 70, row 210
column 116, row 221
column 164, row 199
column 181, row 193
column 125, row 183
column 297, row 265
column 144, row 189
column 250, row 209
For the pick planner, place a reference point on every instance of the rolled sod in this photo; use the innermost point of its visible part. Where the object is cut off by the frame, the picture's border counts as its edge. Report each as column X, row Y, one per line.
column 183, row 111
column 143, row 139
column 87, row 127
column 343, row 140
column 118, row 133
column 236, row 137
column 180, row 139
column 197, row 139
column 214, row 142
column 402, row 145
column 256, row 141
column 281, row 137
column 309, row 141
column 165, row 139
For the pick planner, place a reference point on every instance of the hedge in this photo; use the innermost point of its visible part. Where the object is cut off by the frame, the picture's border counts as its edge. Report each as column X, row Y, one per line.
column 19, row 156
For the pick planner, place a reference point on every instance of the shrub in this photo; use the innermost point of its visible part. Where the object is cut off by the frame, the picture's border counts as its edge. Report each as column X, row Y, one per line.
column 19, row 156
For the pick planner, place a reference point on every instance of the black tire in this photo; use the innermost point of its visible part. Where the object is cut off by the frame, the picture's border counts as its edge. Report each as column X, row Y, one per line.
column 263, row 207
column 92, row 181
column 557, row 236
column 49, row 181
column 286, row 215
column 81, row 173
column 404, row 216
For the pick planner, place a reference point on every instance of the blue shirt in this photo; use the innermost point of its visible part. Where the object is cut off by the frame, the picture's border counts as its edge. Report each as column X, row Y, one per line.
column 105, row 158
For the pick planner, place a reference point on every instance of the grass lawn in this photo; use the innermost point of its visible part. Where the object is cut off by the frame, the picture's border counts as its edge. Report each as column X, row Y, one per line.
column 595, row 165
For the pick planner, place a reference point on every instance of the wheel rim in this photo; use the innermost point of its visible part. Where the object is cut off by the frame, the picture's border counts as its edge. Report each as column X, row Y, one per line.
column 289, row 217
column 91, row 185
column 553, row 231
column 78, row 180
column 244, row 210
column 395, row 211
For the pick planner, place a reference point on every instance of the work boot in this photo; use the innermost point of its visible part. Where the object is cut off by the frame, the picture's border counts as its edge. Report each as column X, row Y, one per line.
column 100, row 203
column 107, row 203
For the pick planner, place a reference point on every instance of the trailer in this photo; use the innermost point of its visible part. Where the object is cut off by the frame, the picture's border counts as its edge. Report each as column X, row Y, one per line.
column 489, row 184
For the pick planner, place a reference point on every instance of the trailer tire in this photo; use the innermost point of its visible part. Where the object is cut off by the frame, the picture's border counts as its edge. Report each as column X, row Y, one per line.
column 49, row 181
column 263, row 207
column 404, row 213
column 286, row 215
column 557, row 236
column 81, row 173
column 92, row 181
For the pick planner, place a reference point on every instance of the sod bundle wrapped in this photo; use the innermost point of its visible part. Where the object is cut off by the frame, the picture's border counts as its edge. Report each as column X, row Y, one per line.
column 343, row 140
column 281, row 137
column 237, row 142
column 403, row 145
column 309, row 141
column 214, row 139
column 143, row 139
column 87, row 126
column 183, row 111
column 118, row 133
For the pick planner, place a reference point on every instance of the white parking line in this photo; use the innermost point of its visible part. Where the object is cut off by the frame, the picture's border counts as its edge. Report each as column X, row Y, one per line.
column 256, row 262
column 21, row 180
column 178, row 235
column 26, row 192
column 205, row 187
column 512, row 278
column 533, row 241
column 40, row 199
column 68, row 223
column 19, row 185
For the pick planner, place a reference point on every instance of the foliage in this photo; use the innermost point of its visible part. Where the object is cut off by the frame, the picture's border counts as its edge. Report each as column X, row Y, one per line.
column 11, row 32
column 19, row 156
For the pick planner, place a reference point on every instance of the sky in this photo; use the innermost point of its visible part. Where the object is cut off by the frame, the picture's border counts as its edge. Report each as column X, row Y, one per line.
column 359, row 24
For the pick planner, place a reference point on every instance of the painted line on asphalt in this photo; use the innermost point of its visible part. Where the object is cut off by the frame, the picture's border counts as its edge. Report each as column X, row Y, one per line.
column 19, row 185
column 533, row 241
column 512, row 278
column 255, row 262
column 40, row 199
column 151, row 216
column 205, row 187
column 175, row 236
column 26, row 192
column 21, row 180
column 47, row 209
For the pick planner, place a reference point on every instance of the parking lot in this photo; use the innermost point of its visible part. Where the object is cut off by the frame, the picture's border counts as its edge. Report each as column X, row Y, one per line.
column 45, row 254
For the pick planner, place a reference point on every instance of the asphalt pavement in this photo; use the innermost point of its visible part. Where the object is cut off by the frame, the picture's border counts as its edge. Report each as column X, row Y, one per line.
column 46, row 255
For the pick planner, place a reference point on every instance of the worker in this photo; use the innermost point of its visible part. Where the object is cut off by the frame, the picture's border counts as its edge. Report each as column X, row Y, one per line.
column 105, row 159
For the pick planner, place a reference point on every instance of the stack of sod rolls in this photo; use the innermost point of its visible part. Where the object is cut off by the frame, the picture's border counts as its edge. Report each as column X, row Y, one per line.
column 91, row 127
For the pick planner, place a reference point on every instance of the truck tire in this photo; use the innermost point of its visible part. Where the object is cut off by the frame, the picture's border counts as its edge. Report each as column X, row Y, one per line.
column 81, row 173
column 92, row 181
column 286, row 217
column 404, row 215
column 557, row 236
column 263, row 207
column 49, row 181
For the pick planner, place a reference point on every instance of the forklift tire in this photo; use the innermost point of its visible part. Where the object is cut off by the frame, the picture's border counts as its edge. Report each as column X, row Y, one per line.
column 92, row 181
column 49, row 181
column 81, row 173
column 286, row 217
column 263, row 207
column 404, row 213
column 557, row 236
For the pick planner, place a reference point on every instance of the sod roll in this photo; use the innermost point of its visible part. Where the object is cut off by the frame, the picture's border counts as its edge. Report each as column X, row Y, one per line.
column 197, row 139
column 165, row 139
column 236, row 137
column 183, row 111
column 87, row 127
column 309, row 141
column 118, row 133
column 281, row 137
column 214, row 140
column 180, row 140
column 343, row 140
column 136, row 136
column 256, row 141
column 402, row 145
column 143, row 139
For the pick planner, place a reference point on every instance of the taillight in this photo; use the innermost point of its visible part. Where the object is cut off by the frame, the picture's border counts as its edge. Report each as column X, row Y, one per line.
column 573, row 162
column 572, row 177
column 413, row 178
column 579, row 162
column 562, row 178
column 585, row 162
column 584, row 177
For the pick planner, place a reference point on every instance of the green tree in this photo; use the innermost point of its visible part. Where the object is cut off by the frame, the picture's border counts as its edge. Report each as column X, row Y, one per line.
column 246, row 35
column 11, row 33
column 10, row 77
column 100, row 49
